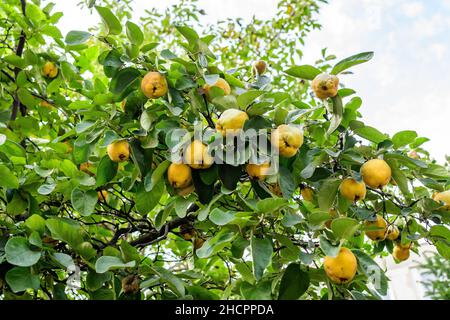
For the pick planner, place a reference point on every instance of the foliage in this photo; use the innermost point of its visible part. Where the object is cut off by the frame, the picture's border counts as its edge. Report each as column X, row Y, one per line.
column 436, row 271
column 251, row 242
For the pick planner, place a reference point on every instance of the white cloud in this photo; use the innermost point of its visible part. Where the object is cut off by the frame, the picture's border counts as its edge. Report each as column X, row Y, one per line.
column 404, row 86
column 439, row 51
column 412, row 9
column 431, row 26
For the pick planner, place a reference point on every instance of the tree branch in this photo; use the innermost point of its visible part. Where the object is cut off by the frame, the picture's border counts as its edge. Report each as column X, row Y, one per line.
column 154, row 235
column 19, row 50
column 160, row 234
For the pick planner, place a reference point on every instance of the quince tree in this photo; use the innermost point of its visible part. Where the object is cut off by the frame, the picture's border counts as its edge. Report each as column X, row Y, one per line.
column 125, row 172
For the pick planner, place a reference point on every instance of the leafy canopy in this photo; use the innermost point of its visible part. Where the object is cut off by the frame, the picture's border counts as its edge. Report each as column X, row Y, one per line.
column 124, row 230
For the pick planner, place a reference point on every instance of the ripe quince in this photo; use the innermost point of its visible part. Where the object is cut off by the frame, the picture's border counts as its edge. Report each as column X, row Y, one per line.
column 50, row 70
column 154, row 85
column 220, row 83
column 376, row 173
column 231, row 121
column 179, row 175
column 258, row 171
column 287, row 139
column 342, row 268
column 352, row 189
column 380, row 234
column 119, row 151
column 197, row 156
column 325, row 86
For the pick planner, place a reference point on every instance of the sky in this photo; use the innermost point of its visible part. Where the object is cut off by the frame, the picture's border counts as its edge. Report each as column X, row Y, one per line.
column 406, row 86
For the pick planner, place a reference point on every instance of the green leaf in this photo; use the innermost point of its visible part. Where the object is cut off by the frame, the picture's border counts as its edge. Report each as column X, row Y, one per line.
column 8, row 179
column 403, row 138
column 129, row 253
column 12, row 148
column 443, row 248
column 238, row 247
column 52, row 31
column 311, row 165
column 80, row 105
column 200, row 293
column 407, row 161
column 257, row 123
column 134, row 33
column 15, row 60
column 27, row 98
column 290, row 219
column 216, row 243
column 102, row 294
column 18, row 252
column 440, row 232
column 106, row 263
column 318, row 218
column 260, row 291
column 345, row 92
column 261, row 254
column 352, row 61
column 188, row 33
column 84, row 201
column 146, row 201
column 247, row 98
column 175, row 283
column 371, row 134
column 244, row 268
column 17, row 205
column 181, row 205
column 21, row 279
column 64, row 259
column 436, row 171
column 35, row 239
column 344, row 228
column 327, row 193
column 419, row 141
column 372, row 271
column 220, row 217
column 35, row 223
column 95, row 281
column 110, row 20
column 399, row 177
column 336, row 115
column 141, row 157
column 306, row 72
column 287, row 182
column 328, row 248
column 124, row 81
column 65, row 230
column 224, row 102
column 162, row 216
column 75, row 38
column 46, row 188
column 294, row 283
column 270, row 204
column 156, row 176
column 112, row 63
column 106, row 171
column 233, row 81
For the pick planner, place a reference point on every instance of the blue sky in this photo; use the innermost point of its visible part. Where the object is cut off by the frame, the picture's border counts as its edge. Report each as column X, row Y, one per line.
column 407, row 84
